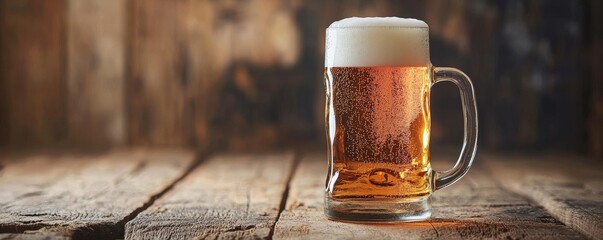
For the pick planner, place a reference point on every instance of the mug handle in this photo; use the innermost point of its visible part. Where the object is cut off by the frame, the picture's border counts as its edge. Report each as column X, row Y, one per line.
column 446, row 178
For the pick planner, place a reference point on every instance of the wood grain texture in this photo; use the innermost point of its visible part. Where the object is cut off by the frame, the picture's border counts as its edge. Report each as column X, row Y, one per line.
column 172, row 71
column 156, row 99
column 34, row 235
column 96, row 60
column 84, row 196
column 596, row 117
column 31, row 75
column 228, row 197
column 210, row 73
column 474, row 208
column 569, row 187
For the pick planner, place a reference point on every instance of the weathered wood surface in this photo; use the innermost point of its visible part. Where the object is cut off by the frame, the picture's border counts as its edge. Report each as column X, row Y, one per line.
column 569, row 187
column 474, row 208
column 84, row 196
column 230, row 196
column 96, row 64
column 34, row 235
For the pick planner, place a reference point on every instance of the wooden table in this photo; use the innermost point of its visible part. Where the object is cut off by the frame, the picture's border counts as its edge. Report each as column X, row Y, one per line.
column 150, row 194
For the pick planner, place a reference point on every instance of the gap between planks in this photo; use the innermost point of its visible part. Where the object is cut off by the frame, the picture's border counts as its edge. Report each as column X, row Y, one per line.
column 200, row 157
column 94, row 229
column 296, row 159
column 229, row 196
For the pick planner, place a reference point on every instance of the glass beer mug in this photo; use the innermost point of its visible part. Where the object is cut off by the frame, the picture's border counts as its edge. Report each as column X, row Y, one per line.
column 378, row 78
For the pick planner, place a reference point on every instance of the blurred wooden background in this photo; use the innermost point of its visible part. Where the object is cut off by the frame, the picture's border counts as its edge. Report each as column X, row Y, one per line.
column 247, row 74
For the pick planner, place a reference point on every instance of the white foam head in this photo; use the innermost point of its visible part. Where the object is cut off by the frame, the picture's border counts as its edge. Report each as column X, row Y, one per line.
column 377, row 41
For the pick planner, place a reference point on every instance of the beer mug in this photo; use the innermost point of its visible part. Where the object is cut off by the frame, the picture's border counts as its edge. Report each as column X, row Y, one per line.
column 378, row 78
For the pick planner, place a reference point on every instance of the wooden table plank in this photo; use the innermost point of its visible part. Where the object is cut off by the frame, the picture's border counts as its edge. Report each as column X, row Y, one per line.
column 475, row 207
column 569, row 187
column 84, row 196
column 230, row 196
column 34, row 236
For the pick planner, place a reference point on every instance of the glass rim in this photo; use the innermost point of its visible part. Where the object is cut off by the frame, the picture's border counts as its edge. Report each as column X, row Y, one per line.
column 393, row 27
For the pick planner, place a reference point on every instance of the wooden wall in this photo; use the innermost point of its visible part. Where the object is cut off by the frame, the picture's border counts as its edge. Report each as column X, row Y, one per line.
column 96, row 71
column 237, row 74
column 595, row 119
column 33, row 72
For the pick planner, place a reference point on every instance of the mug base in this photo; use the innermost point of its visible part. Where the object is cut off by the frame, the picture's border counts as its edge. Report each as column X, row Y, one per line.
column 378, row 211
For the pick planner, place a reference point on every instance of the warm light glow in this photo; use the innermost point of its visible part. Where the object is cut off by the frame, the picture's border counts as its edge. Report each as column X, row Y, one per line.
column 426, row 138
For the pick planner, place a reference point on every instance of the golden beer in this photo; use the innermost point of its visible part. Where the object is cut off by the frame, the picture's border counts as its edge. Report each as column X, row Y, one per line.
column 381, row 142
